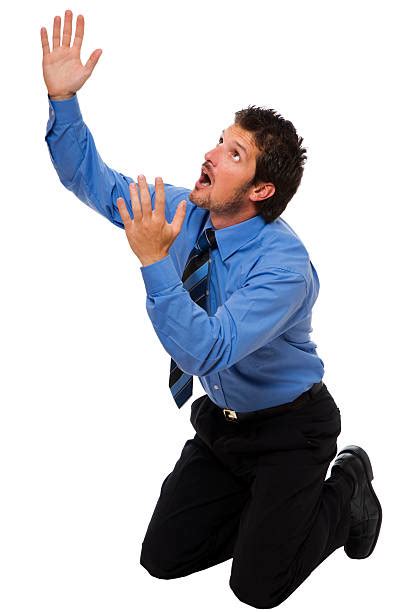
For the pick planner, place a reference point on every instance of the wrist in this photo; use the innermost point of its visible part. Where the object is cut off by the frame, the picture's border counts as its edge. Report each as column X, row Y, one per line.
column 58, row 98
column 146, row 261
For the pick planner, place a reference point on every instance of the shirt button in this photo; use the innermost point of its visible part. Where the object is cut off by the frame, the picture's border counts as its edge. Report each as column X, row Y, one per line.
column 216, row 387
column 210, row 260
column 207, row 292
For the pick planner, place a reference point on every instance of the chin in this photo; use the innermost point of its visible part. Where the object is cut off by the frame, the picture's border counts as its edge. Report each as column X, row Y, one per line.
column 198, row 200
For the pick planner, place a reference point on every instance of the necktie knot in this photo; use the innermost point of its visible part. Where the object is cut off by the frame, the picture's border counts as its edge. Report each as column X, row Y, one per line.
column 207, row 240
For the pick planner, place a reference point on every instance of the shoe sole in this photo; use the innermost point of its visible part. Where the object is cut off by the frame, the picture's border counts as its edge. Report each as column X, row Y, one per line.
column 362, row 455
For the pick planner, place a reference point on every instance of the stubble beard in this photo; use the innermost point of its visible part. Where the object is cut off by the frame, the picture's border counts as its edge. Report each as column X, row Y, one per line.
column 229, row 208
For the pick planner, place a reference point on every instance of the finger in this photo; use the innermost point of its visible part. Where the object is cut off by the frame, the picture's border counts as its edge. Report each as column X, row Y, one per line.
column 44, row 42
column 159, row 197
column 93, row 59
column 56, row 34
column 67, row 29
column 135, row 202
column 179, row 217
column 80, row 29
column 145, row 196
column 122, row 209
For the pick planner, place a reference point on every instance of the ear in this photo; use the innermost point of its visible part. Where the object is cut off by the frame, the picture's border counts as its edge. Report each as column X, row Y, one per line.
column 262, row 192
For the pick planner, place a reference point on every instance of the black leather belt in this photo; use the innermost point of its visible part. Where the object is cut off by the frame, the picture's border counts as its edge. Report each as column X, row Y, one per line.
column 235, row 417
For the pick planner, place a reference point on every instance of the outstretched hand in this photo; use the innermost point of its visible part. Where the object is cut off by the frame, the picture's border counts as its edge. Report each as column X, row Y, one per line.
column 64, row 73
column 149, row 234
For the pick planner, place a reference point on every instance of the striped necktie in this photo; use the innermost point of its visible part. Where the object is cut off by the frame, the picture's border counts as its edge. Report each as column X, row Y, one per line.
column 195, row 281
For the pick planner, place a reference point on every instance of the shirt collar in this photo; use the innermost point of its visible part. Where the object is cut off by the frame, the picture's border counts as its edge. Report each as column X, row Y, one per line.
column 231, row 238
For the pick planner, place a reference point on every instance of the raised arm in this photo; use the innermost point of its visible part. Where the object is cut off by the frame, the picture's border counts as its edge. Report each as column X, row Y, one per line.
column 70, row 143
column 78, row 164
column 71, row 146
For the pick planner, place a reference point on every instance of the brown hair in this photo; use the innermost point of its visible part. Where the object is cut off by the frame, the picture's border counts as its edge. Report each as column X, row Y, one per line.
column 281, row 157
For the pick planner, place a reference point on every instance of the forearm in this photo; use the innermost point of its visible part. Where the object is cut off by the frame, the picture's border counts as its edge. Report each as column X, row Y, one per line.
column 269, row 302
column 199, row 344
column 78, row 164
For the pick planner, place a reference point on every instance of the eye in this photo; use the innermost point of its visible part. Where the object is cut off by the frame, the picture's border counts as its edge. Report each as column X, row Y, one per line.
column 235, row 152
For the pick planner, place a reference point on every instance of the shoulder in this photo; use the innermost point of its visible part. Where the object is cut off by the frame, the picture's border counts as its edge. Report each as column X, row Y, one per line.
column 281, row 252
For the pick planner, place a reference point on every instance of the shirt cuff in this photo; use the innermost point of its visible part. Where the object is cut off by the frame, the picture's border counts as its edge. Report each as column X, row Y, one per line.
column 160, row 275
column 65, row 111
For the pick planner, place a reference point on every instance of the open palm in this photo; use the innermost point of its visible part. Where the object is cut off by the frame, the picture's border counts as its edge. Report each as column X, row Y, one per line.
column 64, row 73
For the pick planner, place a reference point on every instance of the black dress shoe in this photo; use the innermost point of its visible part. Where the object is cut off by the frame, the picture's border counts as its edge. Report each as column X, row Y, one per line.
column 366, row 511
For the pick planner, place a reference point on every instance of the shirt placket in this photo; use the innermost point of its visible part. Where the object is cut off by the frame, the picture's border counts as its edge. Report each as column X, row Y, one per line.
column 213, row 380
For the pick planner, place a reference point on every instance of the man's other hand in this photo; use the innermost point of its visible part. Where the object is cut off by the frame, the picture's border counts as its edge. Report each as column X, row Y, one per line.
column 149, row 234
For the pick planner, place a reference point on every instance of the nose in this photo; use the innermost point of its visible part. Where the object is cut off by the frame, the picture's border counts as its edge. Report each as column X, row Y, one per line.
column 211, row 156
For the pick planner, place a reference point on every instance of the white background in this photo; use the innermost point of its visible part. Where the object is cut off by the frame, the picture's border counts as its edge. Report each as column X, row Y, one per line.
column 88, row 427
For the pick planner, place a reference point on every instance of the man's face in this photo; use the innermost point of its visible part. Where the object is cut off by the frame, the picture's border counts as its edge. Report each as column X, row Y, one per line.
column 230, row 166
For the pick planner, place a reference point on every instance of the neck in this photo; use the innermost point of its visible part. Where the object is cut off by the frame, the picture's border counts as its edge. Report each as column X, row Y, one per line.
column 221, row 221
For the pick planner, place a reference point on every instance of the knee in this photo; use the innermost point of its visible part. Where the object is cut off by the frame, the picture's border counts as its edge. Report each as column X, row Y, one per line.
column 154, row 561
column 255, row 599
column 154, row 570
column 259, row 592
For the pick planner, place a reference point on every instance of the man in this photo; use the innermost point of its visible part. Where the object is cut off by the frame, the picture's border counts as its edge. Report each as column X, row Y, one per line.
column 230, row 289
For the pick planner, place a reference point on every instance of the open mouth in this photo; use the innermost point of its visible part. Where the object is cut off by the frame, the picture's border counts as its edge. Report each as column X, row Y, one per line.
column 204, row 180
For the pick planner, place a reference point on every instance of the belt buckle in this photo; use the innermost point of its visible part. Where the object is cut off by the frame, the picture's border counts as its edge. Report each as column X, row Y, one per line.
column 230, row 415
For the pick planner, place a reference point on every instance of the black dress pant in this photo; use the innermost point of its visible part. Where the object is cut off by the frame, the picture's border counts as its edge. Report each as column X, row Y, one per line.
column 253, row 491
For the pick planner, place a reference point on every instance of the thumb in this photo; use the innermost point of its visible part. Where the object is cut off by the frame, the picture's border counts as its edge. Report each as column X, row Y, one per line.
column 179, row 217
column 92, row 61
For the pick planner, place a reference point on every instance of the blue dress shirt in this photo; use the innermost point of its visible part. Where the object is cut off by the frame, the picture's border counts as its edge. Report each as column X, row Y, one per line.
column 252, row 348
